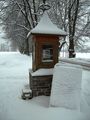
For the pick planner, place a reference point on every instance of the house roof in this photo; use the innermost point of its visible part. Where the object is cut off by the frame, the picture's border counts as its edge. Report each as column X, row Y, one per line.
column 45, row 26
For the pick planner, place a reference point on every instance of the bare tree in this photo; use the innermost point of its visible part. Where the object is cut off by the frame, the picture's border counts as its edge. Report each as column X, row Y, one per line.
column 19, row 19
column 71, row 16
column 20, row 16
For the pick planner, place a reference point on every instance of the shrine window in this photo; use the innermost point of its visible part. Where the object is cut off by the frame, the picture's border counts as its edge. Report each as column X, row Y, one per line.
column 47, row 53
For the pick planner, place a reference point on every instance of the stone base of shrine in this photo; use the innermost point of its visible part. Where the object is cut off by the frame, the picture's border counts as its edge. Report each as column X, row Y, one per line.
column 40, row 84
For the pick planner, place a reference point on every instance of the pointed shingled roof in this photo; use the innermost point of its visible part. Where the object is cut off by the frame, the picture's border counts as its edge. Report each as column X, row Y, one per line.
column 45, row 26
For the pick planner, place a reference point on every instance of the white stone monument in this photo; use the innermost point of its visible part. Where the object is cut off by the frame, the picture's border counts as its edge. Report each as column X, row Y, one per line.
column 66, row 86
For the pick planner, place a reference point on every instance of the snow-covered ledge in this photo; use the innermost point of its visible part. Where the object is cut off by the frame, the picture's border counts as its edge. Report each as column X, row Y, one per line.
column 43, row 72
column 77, row 61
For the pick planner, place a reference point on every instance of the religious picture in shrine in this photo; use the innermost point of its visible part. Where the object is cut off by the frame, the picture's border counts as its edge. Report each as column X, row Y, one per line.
column 47, row 53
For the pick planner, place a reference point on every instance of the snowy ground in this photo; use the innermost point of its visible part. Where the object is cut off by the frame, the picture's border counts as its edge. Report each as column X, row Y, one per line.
column 14, row 77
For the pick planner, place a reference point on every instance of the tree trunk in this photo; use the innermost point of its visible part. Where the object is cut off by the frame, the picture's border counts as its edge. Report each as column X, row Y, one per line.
column 72, row 17
column 71, row 47
column 26, row 50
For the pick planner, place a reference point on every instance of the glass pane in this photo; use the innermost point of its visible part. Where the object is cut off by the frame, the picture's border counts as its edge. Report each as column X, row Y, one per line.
column 47, row 53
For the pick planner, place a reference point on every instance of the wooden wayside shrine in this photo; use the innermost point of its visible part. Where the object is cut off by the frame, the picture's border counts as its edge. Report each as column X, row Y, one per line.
column 45, row 37
column 45, row 51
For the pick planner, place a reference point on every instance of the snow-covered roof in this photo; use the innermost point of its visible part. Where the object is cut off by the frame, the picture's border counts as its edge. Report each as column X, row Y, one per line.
column 45, row 26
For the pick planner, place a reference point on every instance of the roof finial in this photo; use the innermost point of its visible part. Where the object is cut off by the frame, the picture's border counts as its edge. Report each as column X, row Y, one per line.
column 44, row 6
column 44, row 1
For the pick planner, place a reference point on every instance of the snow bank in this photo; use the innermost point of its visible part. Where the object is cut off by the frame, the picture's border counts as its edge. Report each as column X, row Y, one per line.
column 66, row 86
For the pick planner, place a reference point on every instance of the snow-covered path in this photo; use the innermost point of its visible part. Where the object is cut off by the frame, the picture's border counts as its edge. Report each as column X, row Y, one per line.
column 14, row 76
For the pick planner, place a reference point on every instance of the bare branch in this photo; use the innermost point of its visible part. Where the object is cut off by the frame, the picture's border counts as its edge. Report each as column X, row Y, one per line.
column 23, row 27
